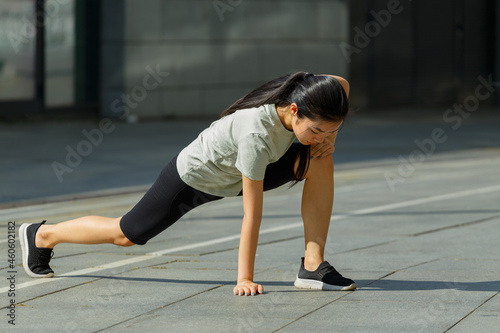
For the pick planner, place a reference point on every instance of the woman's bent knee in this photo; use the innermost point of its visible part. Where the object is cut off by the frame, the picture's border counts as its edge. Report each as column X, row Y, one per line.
column 122, row 240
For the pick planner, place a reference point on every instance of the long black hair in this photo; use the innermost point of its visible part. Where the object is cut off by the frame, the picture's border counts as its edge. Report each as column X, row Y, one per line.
column 318, row 98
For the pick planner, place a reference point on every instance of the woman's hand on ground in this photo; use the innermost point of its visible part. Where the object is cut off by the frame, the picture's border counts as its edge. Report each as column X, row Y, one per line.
column 247, row 288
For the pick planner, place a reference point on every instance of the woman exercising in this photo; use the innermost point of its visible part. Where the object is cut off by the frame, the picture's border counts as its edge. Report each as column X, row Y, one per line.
column 249, row 150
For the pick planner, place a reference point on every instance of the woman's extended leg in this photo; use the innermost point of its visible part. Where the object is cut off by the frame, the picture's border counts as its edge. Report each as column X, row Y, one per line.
column 83, row 230
column 38, row 239
column 163, row 204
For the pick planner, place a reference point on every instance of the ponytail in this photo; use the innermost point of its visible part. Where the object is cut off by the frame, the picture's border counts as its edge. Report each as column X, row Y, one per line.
column 276, row 92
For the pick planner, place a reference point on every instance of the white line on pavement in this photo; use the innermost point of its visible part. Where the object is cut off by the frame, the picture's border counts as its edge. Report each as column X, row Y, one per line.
column 483, row 190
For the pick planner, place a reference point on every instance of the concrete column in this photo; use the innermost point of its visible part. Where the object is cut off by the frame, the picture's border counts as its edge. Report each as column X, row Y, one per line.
column 497, row 49
column 112, row 84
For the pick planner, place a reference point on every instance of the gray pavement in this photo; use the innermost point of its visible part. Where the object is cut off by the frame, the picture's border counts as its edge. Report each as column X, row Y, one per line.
column 415, row 224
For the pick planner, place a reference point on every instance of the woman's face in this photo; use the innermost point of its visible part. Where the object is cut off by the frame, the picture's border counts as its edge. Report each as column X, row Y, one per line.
column 310, row 132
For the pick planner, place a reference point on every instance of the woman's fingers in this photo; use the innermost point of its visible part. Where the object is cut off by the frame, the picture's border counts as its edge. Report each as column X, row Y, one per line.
column 321, row 150
column 260, row 289
column 248, row 289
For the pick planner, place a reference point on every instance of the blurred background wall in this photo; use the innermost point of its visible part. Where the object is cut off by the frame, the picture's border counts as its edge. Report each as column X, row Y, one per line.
column 424, row 53
column 192, row 58
column 214, row 51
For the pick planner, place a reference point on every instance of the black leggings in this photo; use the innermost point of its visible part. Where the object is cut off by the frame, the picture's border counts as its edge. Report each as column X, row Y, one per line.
column 170, row 198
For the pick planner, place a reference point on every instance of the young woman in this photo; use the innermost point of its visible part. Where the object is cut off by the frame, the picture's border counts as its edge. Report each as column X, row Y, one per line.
column 248, row 151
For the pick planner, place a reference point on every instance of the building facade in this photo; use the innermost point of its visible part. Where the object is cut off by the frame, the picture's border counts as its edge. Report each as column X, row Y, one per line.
column 192, row 58
column 207, row 53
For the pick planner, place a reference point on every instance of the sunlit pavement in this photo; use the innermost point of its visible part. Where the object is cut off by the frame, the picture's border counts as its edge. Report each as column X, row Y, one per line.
column 416, row 223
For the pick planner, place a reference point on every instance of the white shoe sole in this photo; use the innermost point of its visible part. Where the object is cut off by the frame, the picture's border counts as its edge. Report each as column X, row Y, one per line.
column 23, row 237
column 318, row 285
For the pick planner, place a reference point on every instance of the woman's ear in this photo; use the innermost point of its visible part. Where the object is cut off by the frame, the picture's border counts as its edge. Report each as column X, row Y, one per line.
column 294, row 109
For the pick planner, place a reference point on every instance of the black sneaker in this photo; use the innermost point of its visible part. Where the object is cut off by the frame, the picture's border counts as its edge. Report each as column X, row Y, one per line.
column 325, row 277
column 35, row 259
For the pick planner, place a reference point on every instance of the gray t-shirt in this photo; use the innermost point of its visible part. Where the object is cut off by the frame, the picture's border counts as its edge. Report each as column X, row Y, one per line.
column 244, row 142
